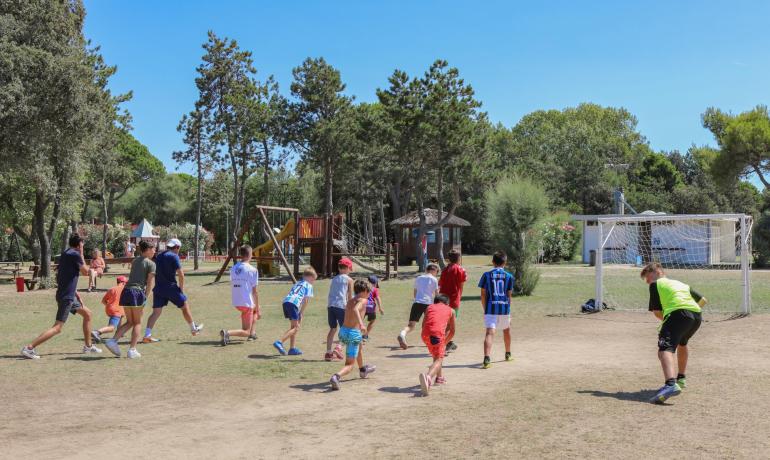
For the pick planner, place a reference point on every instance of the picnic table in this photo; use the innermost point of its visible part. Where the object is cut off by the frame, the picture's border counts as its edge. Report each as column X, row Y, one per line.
column 12, row 268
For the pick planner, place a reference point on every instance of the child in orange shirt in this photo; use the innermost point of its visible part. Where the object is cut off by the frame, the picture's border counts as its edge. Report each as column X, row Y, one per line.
column 111, row 302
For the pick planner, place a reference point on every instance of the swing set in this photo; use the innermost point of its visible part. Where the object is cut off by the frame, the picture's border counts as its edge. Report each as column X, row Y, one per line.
column 326, row 239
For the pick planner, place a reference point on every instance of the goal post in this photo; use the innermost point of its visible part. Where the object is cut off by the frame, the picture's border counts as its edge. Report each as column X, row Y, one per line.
column 710, row 252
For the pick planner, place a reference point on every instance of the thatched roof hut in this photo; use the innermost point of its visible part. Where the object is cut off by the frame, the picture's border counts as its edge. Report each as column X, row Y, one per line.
column 431, row 218
column 407, row 234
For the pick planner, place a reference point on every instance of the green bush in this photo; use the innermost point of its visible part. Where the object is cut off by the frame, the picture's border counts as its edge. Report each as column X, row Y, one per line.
column 186, row 234
column 560, row 238
column 117, row 236
column 515, row 208
column 527, row 280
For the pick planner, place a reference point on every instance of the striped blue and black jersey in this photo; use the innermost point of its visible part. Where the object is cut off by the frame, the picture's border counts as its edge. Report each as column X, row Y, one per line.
column 497, row 283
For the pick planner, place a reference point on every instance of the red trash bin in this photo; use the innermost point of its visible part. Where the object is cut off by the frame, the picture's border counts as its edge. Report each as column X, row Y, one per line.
column 20, row 284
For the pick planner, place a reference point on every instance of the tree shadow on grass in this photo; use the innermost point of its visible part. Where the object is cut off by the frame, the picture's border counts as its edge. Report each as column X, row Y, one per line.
column 412, row 390
column 264, row 356
column 88, row 358
column 322, row 387
column 636, row 396
column 208, row 343
column 15, row 357
column 410, row 355
column 288, row 359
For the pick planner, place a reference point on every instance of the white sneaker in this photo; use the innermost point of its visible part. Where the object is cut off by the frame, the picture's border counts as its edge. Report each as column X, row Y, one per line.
column 113, row 346
column 96, row 336
column 91, row 349
column 29, row 353
column 133, row 354
column 196, row 328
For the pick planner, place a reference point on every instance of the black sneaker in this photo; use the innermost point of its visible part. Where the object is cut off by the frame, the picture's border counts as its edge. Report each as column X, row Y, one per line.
column 487, row 363
column 451, row 346
column 252, row 338
column 508, row 356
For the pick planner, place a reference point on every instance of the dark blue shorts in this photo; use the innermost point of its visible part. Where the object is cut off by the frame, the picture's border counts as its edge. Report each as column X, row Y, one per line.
column 65, row 307
column 162, row 296
column 132, row 297
column 290, row 311
column 336, row 316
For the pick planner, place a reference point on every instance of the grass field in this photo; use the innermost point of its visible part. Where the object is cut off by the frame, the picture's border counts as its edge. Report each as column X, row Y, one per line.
column 576, row 389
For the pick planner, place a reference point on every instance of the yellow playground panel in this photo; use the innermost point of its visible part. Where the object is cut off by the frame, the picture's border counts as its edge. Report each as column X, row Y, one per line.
column 265, row 251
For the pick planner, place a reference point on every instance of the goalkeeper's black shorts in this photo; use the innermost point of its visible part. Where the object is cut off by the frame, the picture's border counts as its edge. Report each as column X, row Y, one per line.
column 677, row 329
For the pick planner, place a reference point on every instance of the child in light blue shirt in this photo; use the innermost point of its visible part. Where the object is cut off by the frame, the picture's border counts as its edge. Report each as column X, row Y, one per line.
column 294, row 305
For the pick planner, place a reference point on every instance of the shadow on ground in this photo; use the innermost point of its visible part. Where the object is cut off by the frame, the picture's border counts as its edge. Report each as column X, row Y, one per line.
column 410, row 355
column 413, row 390
column 322, row 387
column 637, row 396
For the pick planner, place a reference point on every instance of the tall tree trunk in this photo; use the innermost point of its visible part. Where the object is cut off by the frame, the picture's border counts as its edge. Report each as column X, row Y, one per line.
column 369, row 225
column 84, row 214
column 421, row 258
column 42, row 237
column 266, row 177
column 440, row 229
column 328, row 184
column 65, row 236
column 105, row 219
column 383, row 227
column 196, row 236
column 111, row 205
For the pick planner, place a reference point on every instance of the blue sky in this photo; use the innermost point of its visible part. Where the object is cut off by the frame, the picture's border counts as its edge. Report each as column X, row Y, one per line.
column 664, row 61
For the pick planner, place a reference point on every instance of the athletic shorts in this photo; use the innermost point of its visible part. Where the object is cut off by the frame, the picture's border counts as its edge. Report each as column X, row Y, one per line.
column 65, row 307
column 247, row 314
column 291, row 311
column 497, row 321
column 352, row 340
column 436, row 345
column 162, row 296
column 114, row 321
column 677, row 329
column 418, row 309
column 335, row 317
column 132, row 297
column 371, row 315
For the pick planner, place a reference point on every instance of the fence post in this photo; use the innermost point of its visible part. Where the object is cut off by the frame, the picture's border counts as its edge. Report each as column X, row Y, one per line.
column 387, row 261
column 395, row 259
column 297, row 246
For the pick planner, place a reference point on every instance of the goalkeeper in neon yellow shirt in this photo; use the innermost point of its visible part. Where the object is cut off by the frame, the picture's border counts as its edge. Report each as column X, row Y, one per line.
column 679, row 309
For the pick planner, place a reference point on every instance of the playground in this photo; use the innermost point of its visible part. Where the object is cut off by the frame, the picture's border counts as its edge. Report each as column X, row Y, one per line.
column 578, row 381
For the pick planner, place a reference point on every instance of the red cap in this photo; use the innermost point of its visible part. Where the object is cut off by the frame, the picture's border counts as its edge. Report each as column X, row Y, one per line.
column 122, row 279
column 345, row 262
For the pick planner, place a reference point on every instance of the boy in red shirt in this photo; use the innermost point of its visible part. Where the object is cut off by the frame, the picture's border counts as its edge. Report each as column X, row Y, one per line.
column 438, row 328
column 453, row 277
column 111, row 302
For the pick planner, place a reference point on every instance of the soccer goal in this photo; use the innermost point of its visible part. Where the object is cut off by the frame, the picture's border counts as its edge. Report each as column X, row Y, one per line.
column 710, row 252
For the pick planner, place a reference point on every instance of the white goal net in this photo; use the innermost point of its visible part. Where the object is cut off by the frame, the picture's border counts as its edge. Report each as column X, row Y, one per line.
column 710, row 252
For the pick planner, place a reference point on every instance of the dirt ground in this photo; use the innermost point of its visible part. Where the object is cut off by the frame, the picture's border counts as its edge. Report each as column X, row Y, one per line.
column 577, row 389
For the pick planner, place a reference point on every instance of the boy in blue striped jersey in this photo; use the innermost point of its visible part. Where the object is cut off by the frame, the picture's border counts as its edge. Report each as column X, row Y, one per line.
column 496, row 290
column 294, row 309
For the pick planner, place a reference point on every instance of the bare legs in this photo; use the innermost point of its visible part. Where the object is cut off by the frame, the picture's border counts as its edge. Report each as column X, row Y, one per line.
column 291, row 333
column 491, row 335
column 669, row 365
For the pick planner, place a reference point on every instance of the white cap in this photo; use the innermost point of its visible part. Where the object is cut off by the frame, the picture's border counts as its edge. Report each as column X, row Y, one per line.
column 173, row 243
